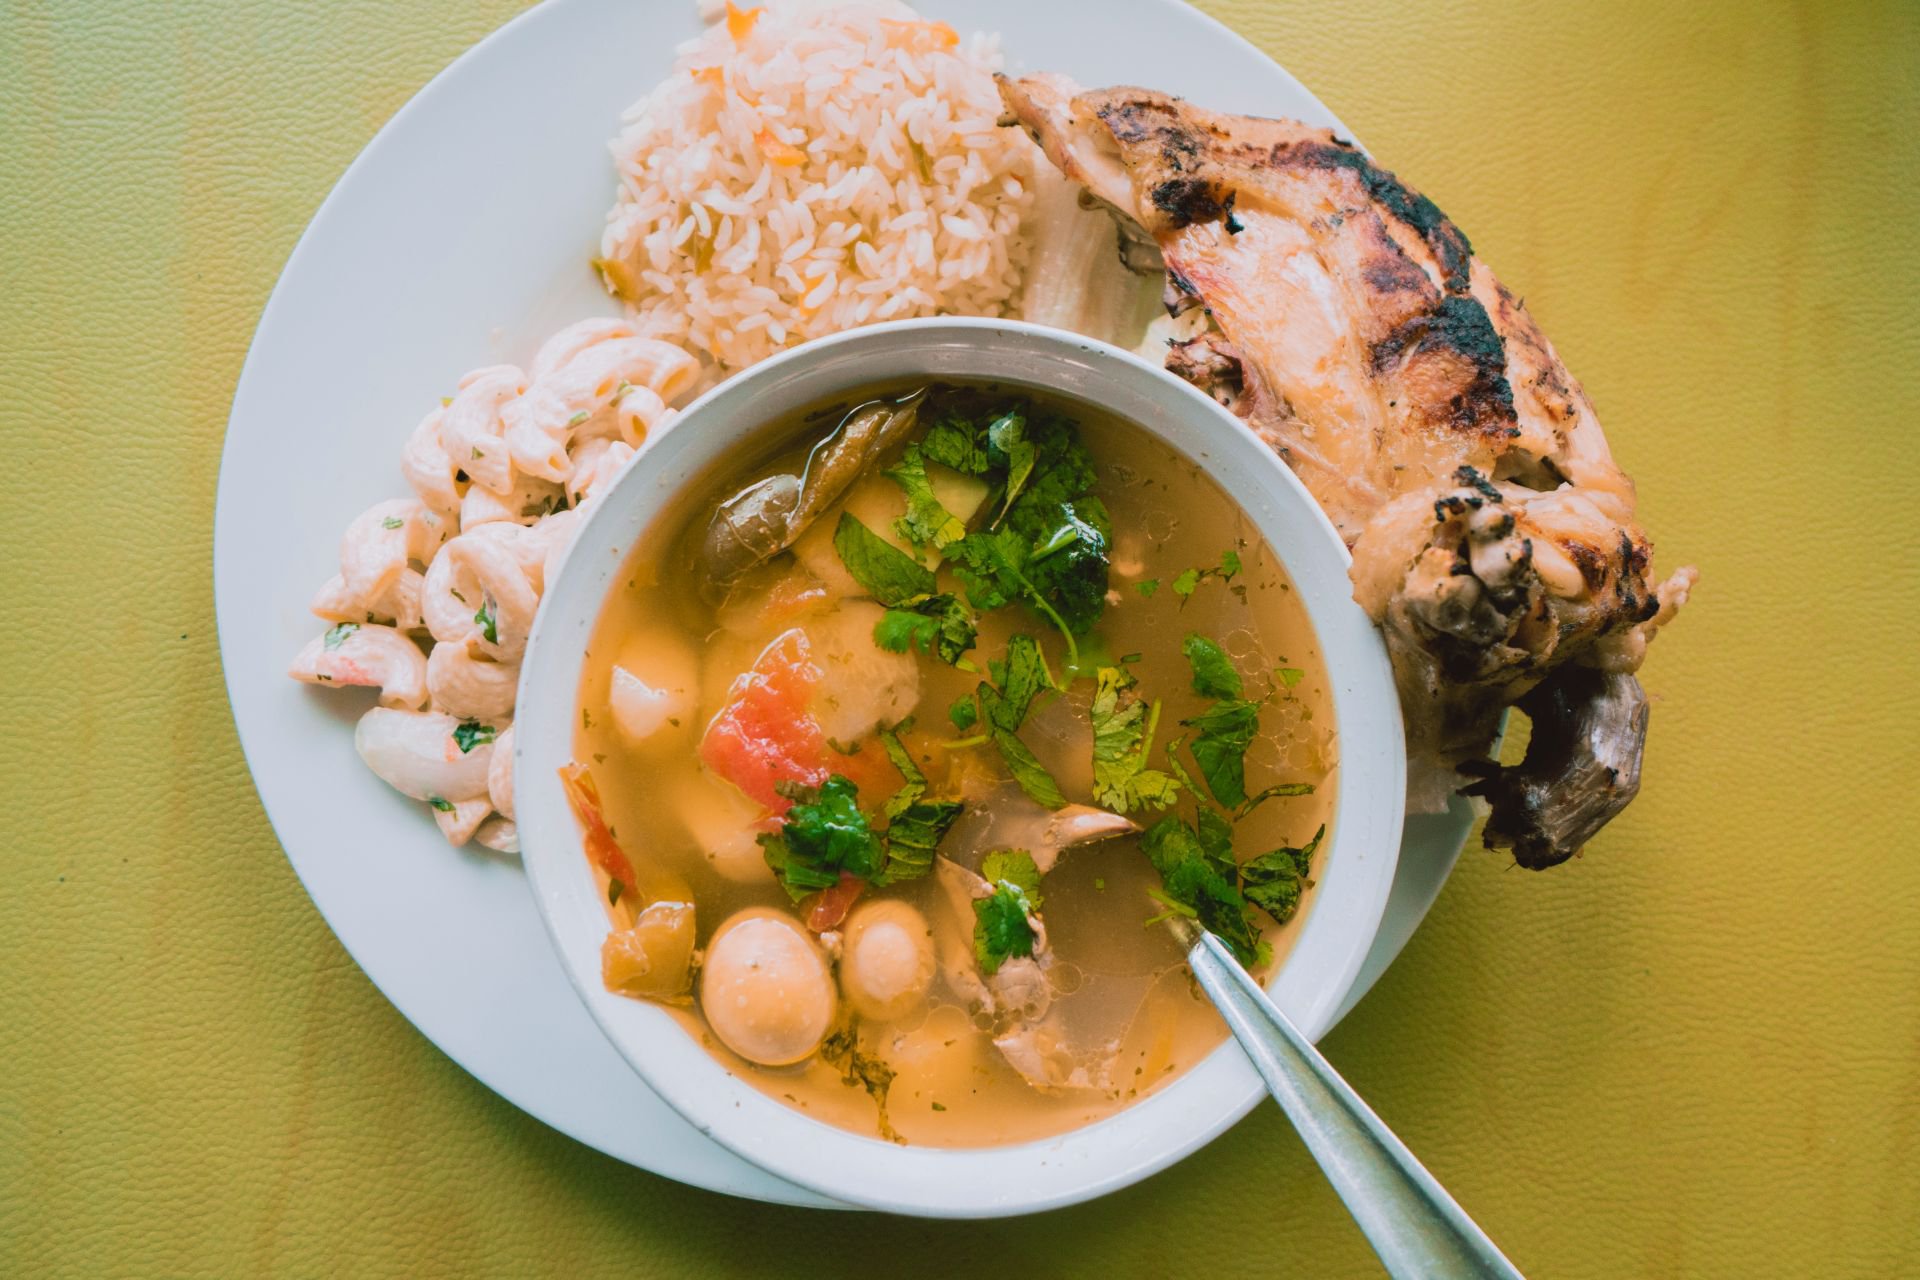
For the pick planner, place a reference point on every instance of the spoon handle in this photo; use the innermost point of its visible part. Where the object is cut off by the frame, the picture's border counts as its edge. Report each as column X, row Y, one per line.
column 1409, row 1219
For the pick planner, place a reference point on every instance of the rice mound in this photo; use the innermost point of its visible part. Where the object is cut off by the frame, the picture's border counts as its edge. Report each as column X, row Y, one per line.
column 804, row 170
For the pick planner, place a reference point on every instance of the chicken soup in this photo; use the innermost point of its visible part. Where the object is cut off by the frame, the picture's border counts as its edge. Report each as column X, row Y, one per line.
column 899, row 738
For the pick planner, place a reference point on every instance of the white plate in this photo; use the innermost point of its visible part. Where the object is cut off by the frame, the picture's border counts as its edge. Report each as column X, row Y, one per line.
column 457, row 238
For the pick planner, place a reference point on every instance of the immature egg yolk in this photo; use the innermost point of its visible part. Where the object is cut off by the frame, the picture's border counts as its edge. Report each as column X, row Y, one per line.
column 886, row 961
column 765, row 988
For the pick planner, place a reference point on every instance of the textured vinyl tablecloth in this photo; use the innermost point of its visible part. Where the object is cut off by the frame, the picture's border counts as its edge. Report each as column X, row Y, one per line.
column 1694, row 1052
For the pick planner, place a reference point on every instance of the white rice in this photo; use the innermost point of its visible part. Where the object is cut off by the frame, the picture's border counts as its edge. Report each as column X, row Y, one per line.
column 900, row 196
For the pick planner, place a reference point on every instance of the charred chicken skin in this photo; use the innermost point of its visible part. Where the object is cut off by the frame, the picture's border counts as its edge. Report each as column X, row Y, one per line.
column 1345, row 319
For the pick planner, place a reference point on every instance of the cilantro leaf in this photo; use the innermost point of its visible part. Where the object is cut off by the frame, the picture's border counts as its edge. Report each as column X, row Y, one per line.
column 1070, row 565
column 1193, row 879
column 965, row 712
column 939, row 625
column 1229, row 563
column 337, row 634
column 1214, row 675
column 1274, row 881
column 926, row 522
column 824, row 834
column 1001, row 925
column 885, row 572
column 1014, row 867
column 1122, row 738
column 991, row 567
column 1289, row 676
column 1146, row 587
column 469, row 734
column 1215, row 834
column 1226, row 730
column 1187, row 583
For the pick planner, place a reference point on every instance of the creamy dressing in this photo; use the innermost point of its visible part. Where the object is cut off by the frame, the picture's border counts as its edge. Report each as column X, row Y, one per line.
column 1124, row 1015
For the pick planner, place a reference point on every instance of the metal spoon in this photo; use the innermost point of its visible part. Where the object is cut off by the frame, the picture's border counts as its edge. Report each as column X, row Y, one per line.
column 1409, row 1219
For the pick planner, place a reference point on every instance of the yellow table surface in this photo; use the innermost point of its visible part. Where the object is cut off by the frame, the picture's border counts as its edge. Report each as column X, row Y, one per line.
column 1696, row 1051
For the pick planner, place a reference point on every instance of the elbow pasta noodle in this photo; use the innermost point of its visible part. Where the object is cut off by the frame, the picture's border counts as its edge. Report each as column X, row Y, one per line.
column 436, row 593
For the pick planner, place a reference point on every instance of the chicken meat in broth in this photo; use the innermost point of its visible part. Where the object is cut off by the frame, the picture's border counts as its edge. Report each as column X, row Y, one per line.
column 893, row 745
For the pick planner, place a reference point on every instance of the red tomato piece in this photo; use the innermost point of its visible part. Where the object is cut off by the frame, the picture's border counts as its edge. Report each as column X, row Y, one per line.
column 764, row 734
column 830, row 906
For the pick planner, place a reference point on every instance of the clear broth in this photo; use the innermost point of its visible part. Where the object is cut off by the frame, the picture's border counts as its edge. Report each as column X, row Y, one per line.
column 1116, row 981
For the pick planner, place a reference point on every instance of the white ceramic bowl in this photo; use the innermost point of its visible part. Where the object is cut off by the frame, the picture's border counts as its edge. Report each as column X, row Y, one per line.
column 1343, row 911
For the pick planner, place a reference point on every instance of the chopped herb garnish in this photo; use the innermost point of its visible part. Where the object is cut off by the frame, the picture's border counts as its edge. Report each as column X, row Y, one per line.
column 1189, row 581
column 578, row 418
column 485, row 618
column 1024, row 765
column 1146, row 587
column 614, row 890
column 1008, row 446
column 1226, row 730
column 937, row 1106
column 1001, row 925
column 1274, row 881
column 477, row 455
column 885, row 572
column 965, row 712
column 445, row 401
column 1289, row 676
column 927, row 522
column 469, row 734
column 1214, row 675
column 915, row 826
column 455, row 593
column 392, row 522
column 338, row 633
column 1123, row 729
column 1276, row 791
column 1194, row 880
column 940, row 625
column 824, row 834
column 444, row 806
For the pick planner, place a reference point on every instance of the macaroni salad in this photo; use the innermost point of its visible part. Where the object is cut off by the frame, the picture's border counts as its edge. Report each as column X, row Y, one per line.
column 436, row 593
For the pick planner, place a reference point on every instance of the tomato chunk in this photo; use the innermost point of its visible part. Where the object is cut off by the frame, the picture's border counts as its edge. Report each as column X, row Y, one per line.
column 765, row 735
column 584, row 796
column 827, row 908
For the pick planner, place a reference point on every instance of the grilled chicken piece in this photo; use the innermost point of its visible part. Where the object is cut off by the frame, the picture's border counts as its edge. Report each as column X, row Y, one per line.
column 1350, row 327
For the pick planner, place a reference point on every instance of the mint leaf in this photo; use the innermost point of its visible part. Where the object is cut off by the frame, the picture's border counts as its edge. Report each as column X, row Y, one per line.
column 1274, row 881
column 1021, row 677
column 1278, row 789
column 926, row 522
column 1226, row 730
column 885, row 572
column 1193, row 879
column 1008, row 446
column 1026, row 768
column 915, row 826
column 1122, row 738
column 1214, row 675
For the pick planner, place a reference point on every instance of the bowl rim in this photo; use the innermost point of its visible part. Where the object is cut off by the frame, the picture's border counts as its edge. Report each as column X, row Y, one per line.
column 1152, row 1132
